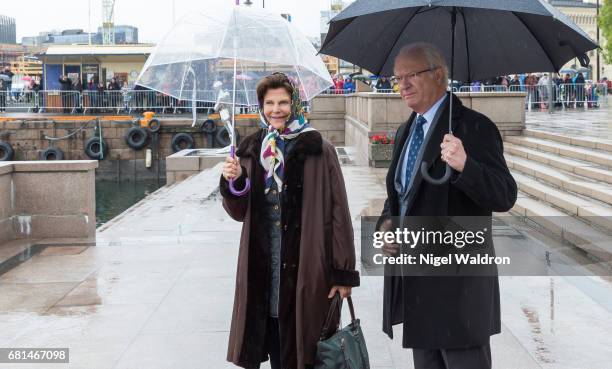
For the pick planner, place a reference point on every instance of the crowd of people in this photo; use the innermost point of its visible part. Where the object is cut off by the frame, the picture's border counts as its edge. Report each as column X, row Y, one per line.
column 569, row 90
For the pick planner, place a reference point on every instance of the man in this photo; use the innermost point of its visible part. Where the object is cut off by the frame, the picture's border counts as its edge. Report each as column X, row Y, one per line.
column 9, row 82
column 65, row 87
column 383, row 85
column 447, row 320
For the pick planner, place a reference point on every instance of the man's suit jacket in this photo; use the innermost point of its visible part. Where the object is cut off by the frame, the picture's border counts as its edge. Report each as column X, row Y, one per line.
column 449, row 312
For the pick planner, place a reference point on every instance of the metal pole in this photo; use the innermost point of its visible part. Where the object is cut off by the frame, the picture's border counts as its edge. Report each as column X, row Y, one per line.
column 89, row 16
column 550, row 93
column 597, row 50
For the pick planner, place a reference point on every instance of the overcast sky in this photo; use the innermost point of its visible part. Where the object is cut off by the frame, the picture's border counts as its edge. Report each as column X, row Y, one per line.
column 152, row 17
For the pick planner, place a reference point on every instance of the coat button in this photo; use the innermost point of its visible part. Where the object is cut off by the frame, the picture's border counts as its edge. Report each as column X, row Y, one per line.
column 277, row 223
column 284, row 265
column 285, row 227
column 275, row 207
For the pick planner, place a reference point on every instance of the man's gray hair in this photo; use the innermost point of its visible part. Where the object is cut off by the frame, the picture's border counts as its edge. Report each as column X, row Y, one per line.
column 430, row 52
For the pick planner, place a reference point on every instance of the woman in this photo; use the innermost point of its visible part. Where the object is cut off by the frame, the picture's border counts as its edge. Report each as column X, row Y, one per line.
column 296, row 248
column 127, row 96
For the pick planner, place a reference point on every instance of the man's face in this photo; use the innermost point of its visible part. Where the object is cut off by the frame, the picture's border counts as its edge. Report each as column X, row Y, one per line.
column 418, row 91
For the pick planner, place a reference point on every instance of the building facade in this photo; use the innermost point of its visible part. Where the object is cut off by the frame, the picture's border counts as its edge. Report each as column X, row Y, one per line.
column 584, row 14
column 95, row 62
column 123, row 35
column 8, row 30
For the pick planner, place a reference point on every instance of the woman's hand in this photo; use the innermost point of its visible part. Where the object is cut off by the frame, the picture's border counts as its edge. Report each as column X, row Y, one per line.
column 231, row 169
column 344, row 291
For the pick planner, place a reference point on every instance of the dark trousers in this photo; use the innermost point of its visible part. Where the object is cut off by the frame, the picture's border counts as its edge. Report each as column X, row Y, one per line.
column 273, row 344
column 478, row 357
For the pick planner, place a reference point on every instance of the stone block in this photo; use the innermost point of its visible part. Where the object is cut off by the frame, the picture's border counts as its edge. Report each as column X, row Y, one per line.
column 169, row 178
column 499, row 107
column 397, row 111
column 328, row 103
column 6, row 230
column 53, row 193
column 6, row 195
column 180, row 176
column 377, row 113
column 179, row 162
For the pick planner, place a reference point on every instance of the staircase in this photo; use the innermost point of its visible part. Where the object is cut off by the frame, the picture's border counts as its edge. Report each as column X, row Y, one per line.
column 565, row 186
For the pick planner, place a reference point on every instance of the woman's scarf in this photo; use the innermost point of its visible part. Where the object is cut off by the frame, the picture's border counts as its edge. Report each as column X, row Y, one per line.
column 273, row 145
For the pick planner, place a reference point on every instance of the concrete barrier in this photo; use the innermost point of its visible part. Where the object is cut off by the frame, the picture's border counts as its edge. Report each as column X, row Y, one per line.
column 46, row 200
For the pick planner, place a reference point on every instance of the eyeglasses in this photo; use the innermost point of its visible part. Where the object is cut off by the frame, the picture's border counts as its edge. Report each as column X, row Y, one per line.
column 411, row 76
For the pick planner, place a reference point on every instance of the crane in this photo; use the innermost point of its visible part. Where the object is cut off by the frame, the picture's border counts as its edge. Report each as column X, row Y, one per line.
column 108, row 25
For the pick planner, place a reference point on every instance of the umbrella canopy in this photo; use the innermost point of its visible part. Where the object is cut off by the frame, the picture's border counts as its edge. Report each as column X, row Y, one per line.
column 479, row 38
column 492, row 37
column 568, row 71
column 205, row 51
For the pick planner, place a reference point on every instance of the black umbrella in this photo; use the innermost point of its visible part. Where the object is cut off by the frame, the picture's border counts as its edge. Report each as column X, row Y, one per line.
column 479, row 38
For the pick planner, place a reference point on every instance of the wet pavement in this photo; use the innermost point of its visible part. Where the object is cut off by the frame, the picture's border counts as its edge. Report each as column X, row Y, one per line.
column 157, row 292
column 580, row 122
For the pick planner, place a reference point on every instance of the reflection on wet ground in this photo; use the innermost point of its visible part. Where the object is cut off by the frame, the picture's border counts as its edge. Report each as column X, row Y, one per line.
column 590, row 123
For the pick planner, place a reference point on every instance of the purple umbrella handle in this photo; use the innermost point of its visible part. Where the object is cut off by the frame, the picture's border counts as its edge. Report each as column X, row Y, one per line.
column 247, row 185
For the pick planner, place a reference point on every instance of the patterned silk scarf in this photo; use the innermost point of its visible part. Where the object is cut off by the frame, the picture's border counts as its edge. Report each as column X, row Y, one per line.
column 273, row 145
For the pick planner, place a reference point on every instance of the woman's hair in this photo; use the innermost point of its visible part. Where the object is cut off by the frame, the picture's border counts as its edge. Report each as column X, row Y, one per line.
column 273, row 81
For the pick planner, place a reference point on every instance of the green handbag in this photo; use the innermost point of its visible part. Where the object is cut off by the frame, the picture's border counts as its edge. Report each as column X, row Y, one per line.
column 346, row 348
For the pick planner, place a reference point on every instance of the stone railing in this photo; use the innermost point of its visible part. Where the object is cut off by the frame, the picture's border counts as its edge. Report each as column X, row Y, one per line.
column 48, row 200
column 368, row 114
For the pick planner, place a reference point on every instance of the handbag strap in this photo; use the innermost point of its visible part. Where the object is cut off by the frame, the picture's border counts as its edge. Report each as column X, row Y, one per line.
column 336, row 304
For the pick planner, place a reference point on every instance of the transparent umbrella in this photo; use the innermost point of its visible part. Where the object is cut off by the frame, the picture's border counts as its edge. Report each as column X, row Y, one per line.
column 219, row 56
column 205, row 49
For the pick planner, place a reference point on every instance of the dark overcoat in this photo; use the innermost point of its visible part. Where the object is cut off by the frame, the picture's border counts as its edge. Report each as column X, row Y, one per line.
column 458, row 311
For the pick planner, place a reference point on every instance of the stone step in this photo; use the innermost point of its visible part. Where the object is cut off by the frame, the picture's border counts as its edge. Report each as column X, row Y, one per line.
column 567, row 150
column 578, row 167
column 561, row 179
column 588, row 210
column 588, row 142
column 579, row 234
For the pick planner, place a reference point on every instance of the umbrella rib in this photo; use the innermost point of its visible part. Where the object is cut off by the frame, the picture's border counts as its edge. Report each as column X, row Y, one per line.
column 467, row 48
column 538, row 40
column 397, row 39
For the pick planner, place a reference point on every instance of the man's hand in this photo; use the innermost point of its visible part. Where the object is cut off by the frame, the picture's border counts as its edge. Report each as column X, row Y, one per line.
column 344, row 291
column 388, row 249
column 231, row 169
column 453, row 152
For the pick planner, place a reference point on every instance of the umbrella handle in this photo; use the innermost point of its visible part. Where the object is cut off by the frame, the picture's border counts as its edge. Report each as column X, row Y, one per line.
column 430, row 179
column 247, row 185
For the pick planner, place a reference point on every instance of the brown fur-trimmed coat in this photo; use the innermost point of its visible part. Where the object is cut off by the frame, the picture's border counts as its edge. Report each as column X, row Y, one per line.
column 317, row 250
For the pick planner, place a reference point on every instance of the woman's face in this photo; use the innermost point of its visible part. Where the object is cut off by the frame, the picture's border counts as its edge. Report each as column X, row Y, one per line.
column 277, row 107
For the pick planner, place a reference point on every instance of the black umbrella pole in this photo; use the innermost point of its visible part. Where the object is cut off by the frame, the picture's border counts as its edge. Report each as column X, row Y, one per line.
column 452, row 67
column 424, row 165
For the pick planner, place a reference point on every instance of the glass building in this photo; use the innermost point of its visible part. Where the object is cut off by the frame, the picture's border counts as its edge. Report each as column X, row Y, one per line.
column 8, row 30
